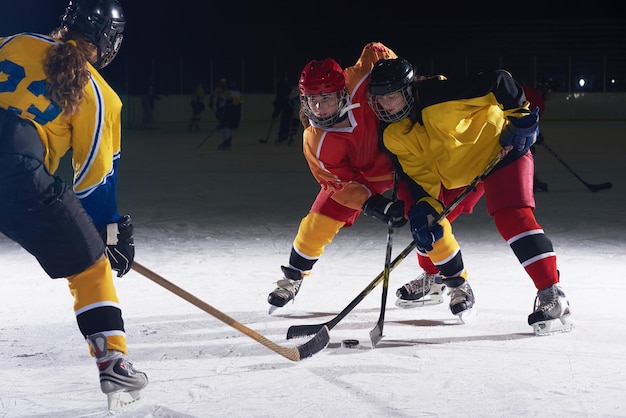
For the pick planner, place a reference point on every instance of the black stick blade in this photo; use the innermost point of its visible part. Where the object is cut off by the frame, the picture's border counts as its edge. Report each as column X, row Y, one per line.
column 299, row 331
column 315, row 344
column 597, row 187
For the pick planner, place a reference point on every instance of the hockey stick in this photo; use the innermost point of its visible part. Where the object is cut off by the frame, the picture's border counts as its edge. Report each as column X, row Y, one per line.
column 377, row 332
column 208, row 135
column 306, row 330
column 267, row 137
column 593, row 187
column 470, row 188
column 296, row 331
column 314, row 345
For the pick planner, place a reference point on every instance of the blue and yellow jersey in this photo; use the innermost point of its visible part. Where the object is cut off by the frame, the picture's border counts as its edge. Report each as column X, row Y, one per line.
column 93, row 134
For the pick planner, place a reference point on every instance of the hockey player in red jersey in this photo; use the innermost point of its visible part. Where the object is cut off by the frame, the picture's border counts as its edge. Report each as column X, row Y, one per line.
column 340, row 143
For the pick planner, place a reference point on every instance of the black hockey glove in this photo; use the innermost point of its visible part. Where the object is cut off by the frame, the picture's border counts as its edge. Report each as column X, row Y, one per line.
column 521, row 133
column 120, row 245
column 380, row 207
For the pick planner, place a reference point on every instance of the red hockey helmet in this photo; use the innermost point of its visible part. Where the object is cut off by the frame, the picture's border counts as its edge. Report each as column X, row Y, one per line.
column 321, row 77
column 323, row 93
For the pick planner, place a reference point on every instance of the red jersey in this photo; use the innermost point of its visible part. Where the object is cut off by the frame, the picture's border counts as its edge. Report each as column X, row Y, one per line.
column 347, row 162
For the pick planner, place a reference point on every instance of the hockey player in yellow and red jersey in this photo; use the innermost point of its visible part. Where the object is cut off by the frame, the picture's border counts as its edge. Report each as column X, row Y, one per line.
column 52, row 99
column 340, row 144
column 445, row 133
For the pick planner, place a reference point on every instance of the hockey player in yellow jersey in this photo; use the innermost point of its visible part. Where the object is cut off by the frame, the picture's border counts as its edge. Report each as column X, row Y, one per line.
column 444, row 132
column 52, row 99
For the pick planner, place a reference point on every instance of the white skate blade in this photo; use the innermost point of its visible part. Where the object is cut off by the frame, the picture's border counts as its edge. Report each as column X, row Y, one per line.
column 563, row 324
column 119, row 400
column 428, row 300
column 467, row 315
column 272, row 309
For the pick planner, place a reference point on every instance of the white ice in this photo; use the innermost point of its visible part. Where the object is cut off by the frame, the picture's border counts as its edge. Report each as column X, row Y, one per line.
column 220, row 224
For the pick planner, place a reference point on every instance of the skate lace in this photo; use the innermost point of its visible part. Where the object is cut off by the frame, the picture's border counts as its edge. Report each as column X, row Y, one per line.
column 546, row 299
column 421, row 284
column 459, row 294
column 287, row 288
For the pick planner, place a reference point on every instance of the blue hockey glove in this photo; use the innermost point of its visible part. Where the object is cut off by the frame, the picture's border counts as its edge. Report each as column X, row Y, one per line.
column 521, row 133
column 425, row 234
column 120, row 245
column 380, row 207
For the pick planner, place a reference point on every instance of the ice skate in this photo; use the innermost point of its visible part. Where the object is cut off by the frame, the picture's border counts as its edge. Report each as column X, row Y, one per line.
column 225, row 145
column 286, row 290
column 425, row 290
column 117, row 375
column 552, row 312
column 462, row 300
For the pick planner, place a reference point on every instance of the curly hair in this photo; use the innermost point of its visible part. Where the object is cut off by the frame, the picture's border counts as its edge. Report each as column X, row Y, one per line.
column 304, row 119
column 66, row 69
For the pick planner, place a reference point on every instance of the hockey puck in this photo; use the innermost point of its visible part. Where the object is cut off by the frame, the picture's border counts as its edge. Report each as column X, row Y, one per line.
column 349, row 343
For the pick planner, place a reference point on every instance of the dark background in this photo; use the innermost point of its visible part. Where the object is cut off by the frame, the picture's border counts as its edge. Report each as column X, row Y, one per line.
column 173, row 44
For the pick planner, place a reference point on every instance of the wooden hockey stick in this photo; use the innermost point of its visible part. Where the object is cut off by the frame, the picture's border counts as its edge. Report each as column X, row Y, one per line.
column 314, row 345
column 295, row 331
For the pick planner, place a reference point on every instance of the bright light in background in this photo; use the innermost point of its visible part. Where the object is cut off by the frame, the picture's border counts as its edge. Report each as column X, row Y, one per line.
column 581, row 83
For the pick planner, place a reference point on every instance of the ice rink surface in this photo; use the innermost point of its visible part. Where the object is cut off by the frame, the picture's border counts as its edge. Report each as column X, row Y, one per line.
column 220, row 223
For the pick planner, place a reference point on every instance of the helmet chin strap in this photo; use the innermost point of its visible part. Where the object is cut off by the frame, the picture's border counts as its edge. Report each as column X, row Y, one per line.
column 345, row 110
column 343, row 114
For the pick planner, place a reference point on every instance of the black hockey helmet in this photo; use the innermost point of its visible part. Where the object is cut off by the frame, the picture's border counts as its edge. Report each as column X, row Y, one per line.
column 101, row 21
column 388, row 76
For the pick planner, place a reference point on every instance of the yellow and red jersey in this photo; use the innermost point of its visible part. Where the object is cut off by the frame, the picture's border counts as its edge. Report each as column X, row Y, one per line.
column 93, row 134
column 459, row 131
column 347, row 162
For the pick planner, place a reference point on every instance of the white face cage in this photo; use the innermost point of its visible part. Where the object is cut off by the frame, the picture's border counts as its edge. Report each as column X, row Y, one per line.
column 107, row 56
column 324, row 109
column 393, row 106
